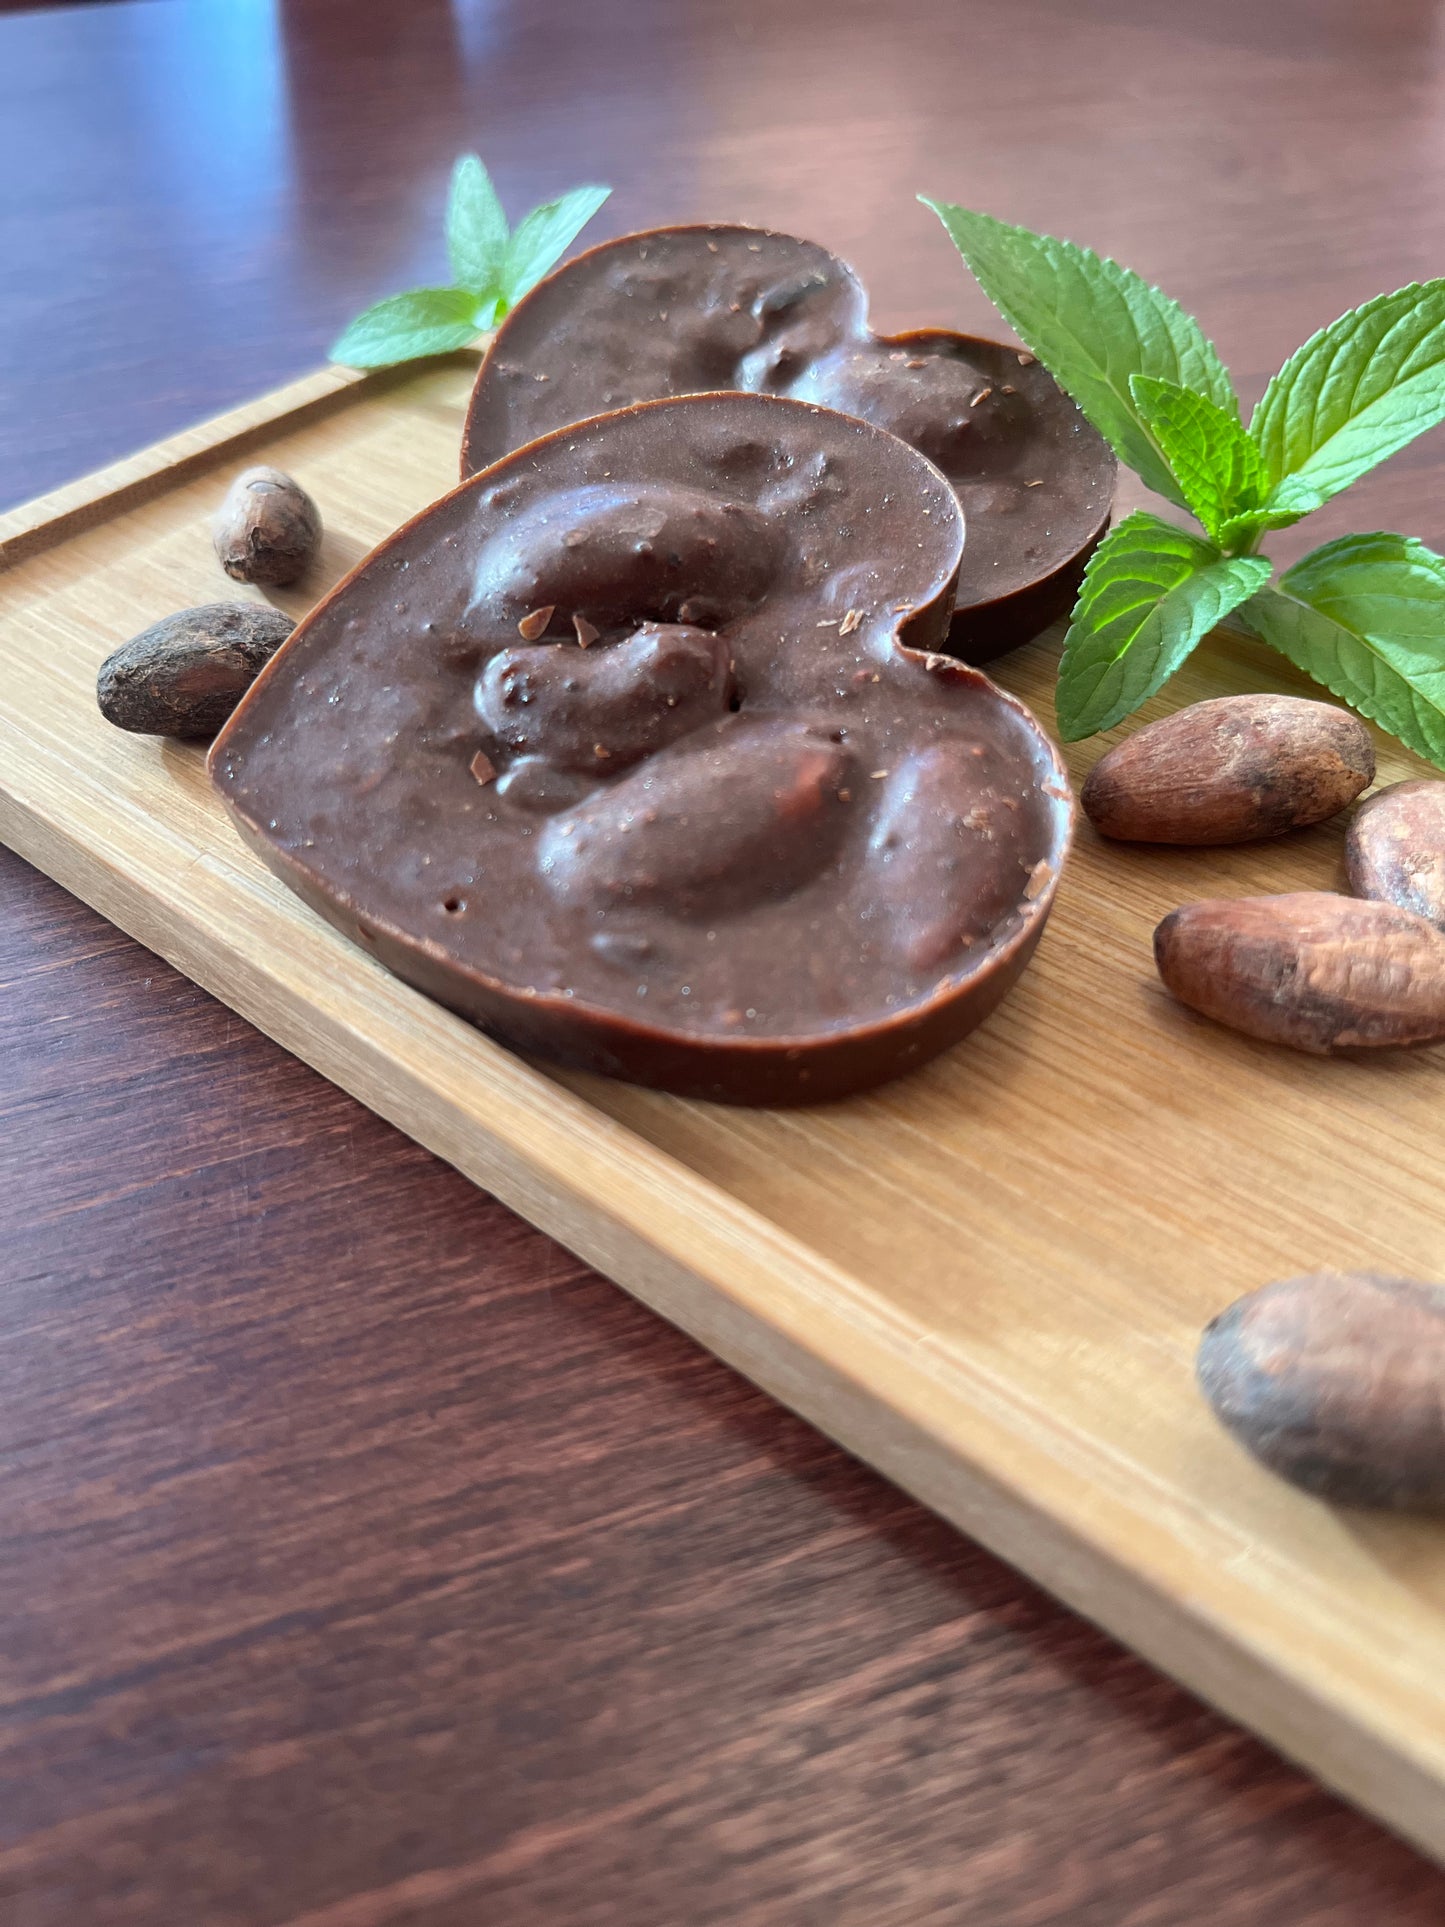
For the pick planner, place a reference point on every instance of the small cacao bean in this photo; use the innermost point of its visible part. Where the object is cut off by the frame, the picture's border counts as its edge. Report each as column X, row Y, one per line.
column 1315, row 971
column 1229, row 771
column 1333, row 1380
column 267, row 529
column 185, row 674
column 1395, row 850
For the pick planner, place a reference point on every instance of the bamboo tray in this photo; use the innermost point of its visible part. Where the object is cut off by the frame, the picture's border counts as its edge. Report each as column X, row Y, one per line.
column 986, row 1280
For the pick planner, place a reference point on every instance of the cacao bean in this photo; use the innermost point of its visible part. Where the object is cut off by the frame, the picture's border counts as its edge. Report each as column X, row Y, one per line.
column 1334, row 1381
column 1315, row 971
column 1229, row 771
column 185, row 674
column 267, row 529
column 1395, row 850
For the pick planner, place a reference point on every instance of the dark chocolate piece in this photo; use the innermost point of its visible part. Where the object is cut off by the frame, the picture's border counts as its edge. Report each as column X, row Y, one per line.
column 681, row 310
column 749, row 843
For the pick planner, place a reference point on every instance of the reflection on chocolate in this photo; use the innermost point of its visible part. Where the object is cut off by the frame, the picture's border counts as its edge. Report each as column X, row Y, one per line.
column 752, row 841
column 679, row 310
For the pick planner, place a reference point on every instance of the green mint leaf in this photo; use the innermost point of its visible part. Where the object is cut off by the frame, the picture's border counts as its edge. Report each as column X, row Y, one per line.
column 476, row 227
column 427, row 321
column 1150, row 593
column 1355, row 392
column 1245, row 527
column 1093, row 324
column 542, row 237
column 1365, row 616
column 1216, row 465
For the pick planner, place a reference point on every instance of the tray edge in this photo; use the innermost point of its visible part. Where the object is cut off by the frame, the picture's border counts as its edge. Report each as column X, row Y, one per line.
column 36, row 525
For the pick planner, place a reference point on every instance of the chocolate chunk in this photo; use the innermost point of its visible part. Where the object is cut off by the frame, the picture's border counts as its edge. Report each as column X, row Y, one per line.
column 740, row 854
column 681, row 310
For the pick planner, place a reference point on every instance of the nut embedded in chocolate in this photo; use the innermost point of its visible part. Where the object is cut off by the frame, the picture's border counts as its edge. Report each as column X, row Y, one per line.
column 679, row 310
column 573, row 709
column 729, row 850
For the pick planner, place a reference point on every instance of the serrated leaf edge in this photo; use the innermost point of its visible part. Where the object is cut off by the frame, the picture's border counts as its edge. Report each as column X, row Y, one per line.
column 1364, row 704
column 1230, row 507
column 1128, row 275
column 1279, row 397
column 1135, row 524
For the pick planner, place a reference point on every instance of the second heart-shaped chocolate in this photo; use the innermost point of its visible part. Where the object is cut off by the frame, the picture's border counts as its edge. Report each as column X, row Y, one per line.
column 680, row 310
column 632, row 750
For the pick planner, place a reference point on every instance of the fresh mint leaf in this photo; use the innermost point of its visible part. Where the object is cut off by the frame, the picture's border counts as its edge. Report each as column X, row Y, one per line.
column 1365, row 616
column 1216, row 465
column 1093, row 324
column 1355, row 392
column 1242, row 529
column 542, row 237
column 427, row 321
column 1150, row 593
column 476, row 228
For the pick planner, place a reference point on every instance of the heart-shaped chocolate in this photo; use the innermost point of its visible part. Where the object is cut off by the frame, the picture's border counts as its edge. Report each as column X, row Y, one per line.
column 632, row 750
column 681, row 310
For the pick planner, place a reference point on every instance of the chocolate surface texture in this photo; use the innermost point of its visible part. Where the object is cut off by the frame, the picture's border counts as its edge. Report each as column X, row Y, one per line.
column 624, row 751
column 681, row 310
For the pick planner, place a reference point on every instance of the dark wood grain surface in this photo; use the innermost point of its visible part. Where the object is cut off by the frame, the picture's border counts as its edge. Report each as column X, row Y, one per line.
column 366, row 1561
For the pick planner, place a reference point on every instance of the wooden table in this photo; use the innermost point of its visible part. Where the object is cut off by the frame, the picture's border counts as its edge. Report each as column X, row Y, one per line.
column 367, row 1562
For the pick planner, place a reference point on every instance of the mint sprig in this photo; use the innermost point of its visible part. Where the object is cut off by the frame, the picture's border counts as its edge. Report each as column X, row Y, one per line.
column 1365, row 615
column 492, row 266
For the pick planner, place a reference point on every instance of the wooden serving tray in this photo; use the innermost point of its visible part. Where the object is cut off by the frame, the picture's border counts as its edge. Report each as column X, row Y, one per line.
column 987, row 1280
